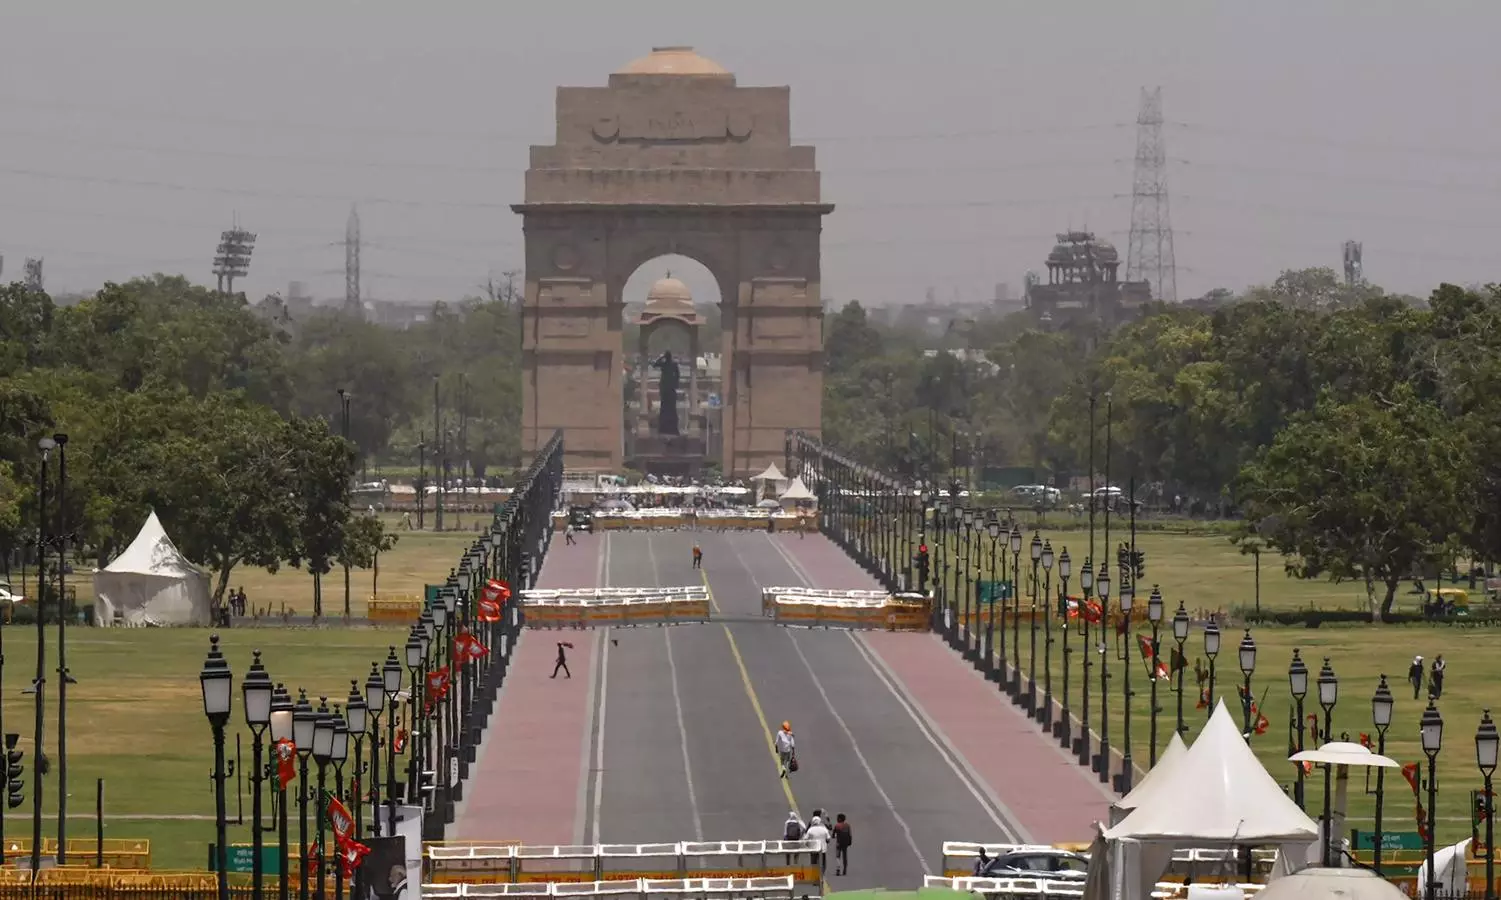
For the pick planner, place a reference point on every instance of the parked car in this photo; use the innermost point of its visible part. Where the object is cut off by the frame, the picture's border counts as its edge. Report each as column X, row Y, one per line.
column 1058, row 865
column 8, row 600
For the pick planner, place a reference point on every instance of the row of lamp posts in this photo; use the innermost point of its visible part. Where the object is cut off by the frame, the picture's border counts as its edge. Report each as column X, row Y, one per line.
column 450, row 693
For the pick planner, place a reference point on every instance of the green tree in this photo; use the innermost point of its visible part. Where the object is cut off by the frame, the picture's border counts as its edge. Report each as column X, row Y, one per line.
column 1371, row 489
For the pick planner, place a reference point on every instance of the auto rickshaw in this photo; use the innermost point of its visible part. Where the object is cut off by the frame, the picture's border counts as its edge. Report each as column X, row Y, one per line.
column 1448, row 601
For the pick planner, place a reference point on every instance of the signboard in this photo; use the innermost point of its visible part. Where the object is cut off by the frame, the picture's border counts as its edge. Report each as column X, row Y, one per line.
column 988, row 592
column 1390, row 840
column 242, row 859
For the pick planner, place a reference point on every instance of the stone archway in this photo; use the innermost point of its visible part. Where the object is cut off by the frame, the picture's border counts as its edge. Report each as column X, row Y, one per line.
column 672, row 158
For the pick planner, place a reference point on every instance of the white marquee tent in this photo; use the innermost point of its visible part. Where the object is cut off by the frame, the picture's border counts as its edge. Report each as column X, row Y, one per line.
column 772, row 474
column 1216, row 794
column 151, row 584
column 1145, row 790
column 797, row 491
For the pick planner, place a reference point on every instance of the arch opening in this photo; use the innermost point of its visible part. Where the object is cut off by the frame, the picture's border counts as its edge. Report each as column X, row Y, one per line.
column 672, row 379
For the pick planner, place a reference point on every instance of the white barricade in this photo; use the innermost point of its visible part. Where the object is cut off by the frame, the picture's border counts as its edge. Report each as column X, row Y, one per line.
column 522, row 866
column 777, row 888
column 615, row 606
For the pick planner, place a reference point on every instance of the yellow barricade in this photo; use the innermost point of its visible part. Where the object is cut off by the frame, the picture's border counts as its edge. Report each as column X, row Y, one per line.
column 394, row 610
column 493, row 863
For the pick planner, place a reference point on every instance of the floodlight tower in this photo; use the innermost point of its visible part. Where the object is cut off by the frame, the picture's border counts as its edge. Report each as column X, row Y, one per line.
column 32, row 274
column 232, row 258
column 1354, row 263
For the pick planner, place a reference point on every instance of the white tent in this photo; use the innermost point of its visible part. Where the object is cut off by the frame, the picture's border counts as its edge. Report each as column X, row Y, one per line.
column 797, row 491
column 1145, row 791
column 772, row 473
column 1216, row 794
column 151, row 584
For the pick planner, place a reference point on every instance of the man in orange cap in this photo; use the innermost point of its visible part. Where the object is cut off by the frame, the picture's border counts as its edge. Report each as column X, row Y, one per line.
column 786, row 748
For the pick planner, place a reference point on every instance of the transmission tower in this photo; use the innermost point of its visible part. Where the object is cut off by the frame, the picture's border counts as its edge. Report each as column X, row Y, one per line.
column 1354, row 263
column 352, row 264
column 1150, row 256
column 232, row 258
column 32, row 274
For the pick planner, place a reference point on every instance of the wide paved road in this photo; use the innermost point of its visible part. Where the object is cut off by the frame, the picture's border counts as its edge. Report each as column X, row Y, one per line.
column 684, row 716
column 663, row 733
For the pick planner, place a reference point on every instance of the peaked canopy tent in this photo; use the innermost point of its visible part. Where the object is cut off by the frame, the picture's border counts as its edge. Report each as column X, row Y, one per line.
column 1216, row 794
column 1145, row 790
column 797, row 492
column 151, row 584
column 772, row 474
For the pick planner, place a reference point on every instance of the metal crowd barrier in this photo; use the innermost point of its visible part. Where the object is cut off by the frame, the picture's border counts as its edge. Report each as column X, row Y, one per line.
column 860, row 610
column 769, row 596
column 1048, row 887
column 587, row 863
column 959, row 859
column 781, row 888
column 615, row 606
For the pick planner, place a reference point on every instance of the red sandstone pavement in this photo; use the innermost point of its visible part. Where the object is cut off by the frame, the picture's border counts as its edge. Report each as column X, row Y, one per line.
column 1053, row 797
column 529, row 773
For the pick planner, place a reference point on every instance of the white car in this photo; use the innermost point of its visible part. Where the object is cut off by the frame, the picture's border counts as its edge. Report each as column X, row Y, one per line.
column 8, row 596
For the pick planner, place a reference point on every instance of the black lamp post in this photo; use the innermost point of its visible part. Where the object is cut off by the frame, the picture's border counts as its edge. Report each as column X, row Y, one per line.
column 1381, row 715
column 1063, row 728
column 439, row 763
column 967, row 519
column 414, row 659
column 1086, row 585
column 375, row 704
column 1154, row 615
column 1016, row 610
column 304, row 724
column 39, row 684
column 1297, row 683
column 1487, row 743
column 1247, row 669
column 258, row 692
column 281, row 730
column 1102, row 587
column 1045, row 609
column 338, row 753
column 1036, row 550
column 1328, row 697
column 1128, row 600
column 1431, row 728
column 323, row 748
column 1180, row 634
column 1211, row 650
column 63, row 678
column 993, row 528
column 390, row 674
column 217, row 684
column 357, row 719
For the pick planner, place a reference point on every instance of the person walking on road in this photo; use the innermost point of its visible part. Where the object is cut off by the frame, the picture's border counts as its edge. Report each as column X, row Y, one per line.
column 698, row 556
column 562, row 663
column 843, row 838
column 787, row 749
column 1435, row 678
column 792, row 830
column 819, row 834
column 568, row 534
column 1415, row 676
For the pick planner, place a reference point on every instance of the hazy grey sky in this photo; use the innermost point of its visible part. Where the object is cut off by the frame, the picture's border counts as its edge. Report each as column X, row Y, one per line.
column 956, row 139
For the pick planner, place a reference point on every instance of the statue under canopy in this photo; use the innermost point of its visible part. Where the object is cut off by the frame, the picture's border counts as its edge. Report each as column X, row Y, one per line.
column 667, row 394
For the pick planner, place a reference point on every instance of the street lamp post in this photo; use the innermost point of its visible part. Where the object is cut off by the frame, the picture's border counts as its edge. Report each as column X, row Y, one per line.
column 1127, row 600
column 1102, row 586
column 1154, row 615
column 1036, row 550
column 357, row 718
column 414, row 658
column 440, row 737
column 63, row 678
column 1046, row 609
column 1016, row 611
column 390, row 674
column 993, row 528
column 967, row 519
column 1382, row 705
column 323, row 748
column 281, row 730
column 304, row 724
column 258, row 692
column 338, row 753
column 1487, row 743
column 1180, row 634
column 1086, row 586
column 39, row 685
column 1247, row 668
column 217, row 683
column 1431, row 728
column 375, row 704
column 1297, row 682
column 1328, row 697
column 1063, row 728
column 1211, row 650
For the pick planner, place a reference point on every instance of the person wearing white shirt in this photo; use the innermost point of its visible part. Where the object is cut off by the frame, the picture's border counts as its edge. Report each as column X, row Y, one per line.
column 786, row 748
column 819, row 833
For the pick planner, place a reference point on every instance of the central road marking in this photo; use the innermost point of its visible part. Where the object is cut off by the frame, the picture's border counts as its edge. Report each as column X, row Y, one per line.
column 677, row 702
column 750, row 691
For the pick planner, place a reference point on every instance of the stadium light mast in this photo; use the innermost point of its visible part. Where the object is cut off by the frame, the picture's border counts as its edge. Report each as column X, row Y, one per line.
column 232, row 258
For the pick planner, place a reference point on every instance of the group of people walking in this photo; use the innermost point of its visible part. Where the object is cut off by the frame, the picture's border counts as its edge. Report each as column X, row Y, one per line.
column 823, row 835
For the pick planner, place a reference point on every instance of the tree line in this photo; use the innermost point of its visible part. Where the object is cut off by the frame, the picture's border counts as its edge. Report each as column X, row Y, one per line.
column 228, row 422
column 1354, row 432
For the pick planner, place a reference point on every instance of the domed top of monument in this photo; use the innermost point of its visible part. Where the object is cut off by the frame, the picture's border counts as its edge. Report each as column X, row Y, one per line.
column 673, row 61
column 669, row 298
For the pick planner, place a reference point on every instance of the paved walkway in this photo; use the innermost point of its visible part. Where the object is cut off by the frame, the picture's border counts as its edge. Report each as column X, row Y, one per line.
column 1050, row 796
column 528, row 778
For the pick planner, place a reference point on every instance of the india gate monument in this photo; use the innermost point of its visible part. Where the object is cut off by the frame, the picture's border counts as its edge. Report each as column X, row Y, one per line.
column 672, row 158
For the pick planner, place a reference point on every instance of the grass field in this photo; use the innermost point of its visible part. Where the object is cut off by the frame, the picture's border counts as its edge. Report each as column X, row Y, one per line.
column 1210, row 575
column 135, row 717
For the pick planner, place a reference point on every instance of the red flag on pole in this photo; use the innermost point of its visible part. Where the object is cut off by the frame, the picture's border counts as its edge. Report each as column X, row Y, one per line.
column 286, row 762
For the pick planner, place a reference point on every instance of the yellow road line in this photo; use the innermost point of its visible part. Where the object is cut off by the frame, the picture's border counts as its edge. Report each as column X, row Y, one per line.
column 750, row 691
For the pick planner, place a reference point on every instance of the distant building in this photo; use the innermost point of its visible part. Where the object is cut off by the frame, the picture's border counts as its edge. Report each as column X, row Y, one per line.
column 1082, row 285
